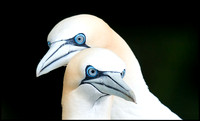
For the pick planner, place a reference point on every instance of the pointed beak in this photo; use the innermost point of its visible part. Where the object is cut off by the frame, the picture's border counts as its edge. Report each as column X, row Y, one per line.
column 113, row 84
column 58, row 55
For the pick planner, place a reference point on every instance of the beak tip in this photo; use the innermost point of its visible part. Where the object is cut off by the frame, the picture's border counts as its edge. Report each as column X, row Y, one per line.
column 37, row 74
column 133, row 98
column 134, row 101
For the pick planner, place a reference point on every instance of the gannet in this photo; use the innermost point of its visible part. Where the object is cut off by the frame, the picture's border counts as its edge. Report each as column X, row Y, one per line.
column 90, row 78
column 79, row 32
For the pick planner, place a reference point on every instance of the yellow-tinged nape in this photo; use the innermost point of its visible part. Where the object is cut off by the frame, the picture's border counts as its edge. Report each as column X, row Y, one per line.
column 89, row 97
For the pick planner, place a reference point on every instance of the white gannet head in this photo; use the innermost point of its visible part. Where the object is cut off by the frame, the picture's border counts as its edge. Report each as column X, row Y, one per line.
column 69, row 37
column 100, row 69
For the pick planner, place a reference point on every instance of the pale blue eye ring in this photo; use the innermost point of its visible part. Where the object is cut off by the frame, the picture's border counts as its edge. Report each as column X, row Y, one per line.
column 80, row 38
column 91, row 71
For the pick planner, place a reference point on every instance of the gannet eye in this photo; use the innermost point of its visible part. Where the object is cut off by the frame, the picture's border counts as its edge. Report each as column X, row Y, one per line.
column 80, row 38
column 91, row 71
column 123, row 73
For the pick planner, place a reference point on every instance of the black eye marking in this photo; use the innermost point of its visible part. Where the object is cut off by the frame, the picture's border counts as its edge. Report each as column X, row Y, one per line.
column 78, row 40
column 123, row 73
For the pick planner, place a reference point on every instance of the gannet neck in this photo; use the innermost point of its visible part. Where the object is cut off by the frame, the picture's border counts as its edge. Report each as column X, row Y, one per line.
column 79, row 104
column 133, row 76
column 148, row 106
column 151, row 109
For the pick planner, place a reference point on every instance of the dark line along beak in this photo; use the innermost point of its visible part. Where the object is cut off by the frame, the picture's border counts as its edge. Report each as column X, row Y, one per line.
column 58, row 55
column 113, row 84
